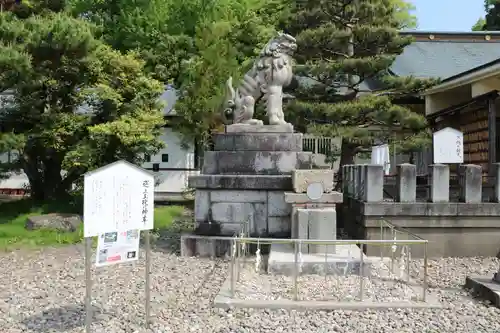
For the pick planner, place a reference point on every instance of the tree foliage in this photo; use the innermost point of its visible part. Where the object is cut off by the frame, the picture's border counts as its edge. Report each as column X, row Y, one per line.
column 403, row 14
column 75, row 104
column 491, row 22
column 479, row 25
column 193, row 44
column 344, row 48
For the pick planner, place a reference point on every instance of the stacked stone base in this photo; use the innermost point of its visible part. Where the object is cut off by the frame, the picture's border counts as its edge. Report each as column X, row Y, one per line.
column 243, row 181
column 255, row 212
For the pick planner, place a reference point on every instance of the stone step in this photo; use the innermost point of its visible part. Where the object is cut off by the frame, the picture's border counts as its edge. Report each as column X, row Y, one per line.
column 258, row 141
column 252, row 129
column 242, row 182
column 346, row 259
column 255, row 162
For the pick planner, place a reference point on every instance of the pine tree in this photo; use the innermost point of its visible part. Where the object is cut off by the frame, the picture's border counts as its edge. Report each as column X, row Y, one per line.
column 492, row 20
column 345, row 46
column 73, row 104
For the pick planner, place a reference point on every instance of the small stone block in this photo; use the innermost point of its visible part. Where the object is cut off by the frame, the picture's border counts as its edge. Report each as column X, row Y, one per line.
column 301, row 179
column 302, row 198
column 496, row 181
column 440, row 183
column 471, row 183
column 406, row 183
column 276, row 204
column 374, row 183
column 323, row 226
column 202, row 205
column 232, row 212
column 279, row 225
column 245, row 128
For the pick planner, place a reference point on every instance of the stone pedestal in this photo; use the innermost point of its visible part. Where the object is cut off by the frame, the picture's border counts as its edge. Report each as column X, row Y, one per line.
column 243, row 180
column 314, row 219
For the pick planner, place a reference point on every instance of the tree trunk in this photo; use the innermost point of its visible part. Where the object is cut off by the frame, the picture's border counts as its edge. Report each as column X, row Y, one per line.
column 347, row 154
column 45, row 180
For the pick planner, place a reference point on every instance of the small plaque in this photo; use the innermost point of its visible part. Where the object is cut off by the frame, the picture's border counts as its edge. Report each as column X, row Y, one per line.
column 315, row 191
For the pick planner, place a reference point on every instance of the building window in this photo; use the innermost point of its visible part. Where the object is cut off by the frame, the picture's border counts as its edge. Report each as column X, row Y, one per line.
column 147, row 158
column 164, row 158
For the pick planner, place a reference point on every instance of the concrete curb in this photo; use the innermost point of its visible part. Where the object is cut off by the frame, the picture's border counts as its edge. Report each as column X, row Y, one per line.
column 485, row 288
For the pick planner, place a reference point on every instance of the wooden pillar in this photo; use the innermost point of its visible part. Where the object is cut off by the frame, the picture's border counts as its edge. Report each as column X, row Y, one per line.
column 492, row 136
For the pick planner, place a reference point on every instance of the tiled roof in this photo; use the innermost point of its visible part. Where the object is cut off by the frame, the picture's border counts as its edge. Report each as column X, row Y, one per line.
column 444, row 58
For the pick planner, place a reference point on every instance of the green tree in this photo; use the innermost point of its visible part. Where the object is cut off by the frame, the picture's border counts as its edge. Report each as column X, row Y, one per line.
column 343, row 45
column 491, row 22
column 479, row 25
column 75, row 104
column 403, row 14
column 193, row 44
column 492, row 19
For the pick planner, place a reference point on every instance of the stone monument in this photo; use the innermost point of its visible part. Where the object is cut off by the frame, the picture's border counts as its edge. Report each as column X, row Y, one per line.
column 243, row 180
column 314, row 217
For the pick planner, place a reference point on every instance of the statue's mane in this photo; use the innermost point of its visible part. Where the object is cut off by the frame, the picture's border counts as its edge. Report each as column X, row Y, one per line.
column 276, row 44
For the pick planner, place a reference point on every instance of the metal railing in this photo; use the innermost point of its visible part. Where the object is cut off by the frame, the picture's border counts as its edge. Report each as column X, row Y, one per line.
column 396, row 233
column 237, row 248
column 318, row 144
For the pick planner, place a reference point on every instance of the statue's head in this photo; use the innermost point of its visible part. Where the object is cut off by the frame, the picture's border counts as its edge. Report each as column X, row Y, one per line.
column 281, row 44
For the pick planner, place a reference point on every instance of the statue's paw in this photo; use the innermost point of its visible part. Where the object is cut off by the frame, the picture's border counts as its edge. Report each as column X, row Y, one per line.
column 274, row 120
column 254, row 122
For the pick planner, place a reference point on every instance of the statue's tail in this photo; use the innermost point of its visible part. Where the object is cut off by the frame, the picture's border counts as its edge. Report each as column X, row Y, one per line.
column 231, row 94
column 229, row 103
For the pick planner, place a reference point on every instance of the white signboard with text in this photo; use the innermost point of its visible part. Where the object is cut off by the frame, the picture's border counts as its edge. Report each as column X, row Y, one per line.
column 448, row 146
column 117, row 247
column 118, row 197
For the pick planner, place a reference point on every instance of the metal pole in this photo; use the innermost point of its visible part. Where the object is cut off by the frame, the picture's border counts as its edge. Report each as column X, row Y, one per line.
column 381, row 238
column 238, row 261
column 295, row 271
column 425, row 273
column 407, row 264
column 233, row 259
column 148, row 277
column 361, row 273
column 326, row 261
column 393, row 235
column 88, row 284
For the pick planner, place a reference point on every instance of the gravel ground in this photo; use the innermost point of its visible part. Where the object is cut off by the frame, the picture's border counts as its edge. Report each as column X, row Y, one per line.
column 379, row 286
column 43, row 291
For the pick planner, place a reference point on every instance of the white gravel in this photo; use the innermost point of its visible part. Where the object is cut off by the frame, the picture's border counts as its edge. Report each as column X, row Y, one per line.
column 43, row 291
column 379, row 285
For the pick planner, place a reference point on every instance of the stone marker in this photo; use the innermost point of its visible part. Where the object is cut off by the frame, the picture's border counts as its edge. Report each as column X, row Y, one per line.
column 301, row 179
column 471, row 183
column 406, row 183
column 439, row 183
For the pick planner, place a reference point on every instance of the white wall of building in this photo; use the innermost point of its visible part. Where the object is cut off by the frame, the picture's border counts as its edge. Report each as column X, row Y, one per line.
column 175, row 163
column 172, row 175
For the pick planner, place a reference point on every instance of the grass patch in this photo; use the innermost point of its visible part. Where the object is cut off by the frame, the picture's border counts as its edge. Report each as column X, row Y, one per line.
column 165, row 215
column 13, row 216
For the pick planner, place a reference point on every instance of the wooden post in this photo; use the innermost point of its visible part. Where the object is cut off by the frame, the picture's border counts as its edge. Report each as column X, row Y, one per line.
column 492, row 136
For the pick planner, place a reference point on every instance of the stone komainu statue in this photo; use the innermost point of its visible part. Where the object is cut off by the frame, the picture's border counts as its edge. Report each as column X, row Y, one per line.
column 265, row 81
